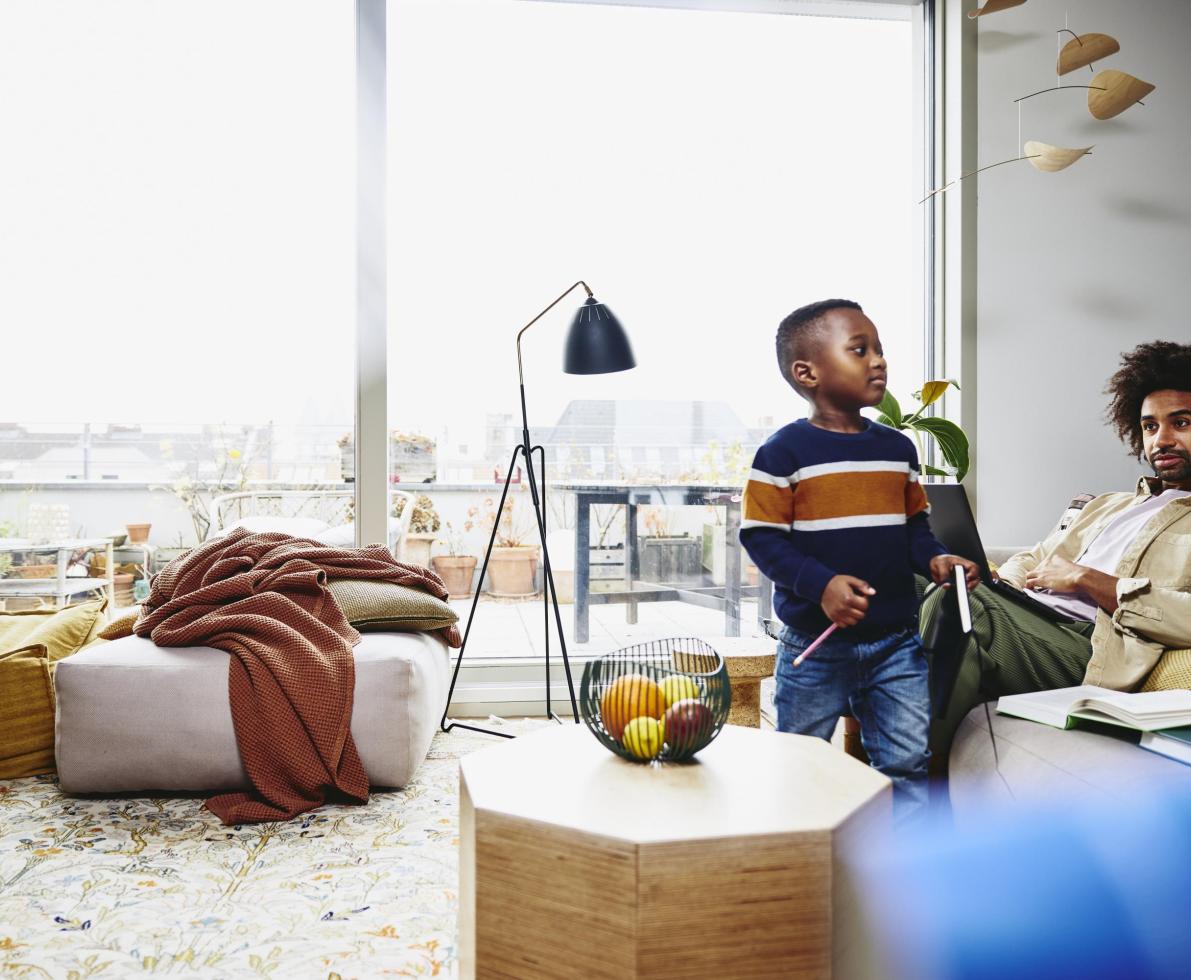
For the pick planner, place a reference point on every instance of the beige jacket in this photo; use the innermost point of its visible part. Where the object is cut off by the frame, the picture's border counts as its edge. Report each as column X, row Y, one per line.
column 1153, row 585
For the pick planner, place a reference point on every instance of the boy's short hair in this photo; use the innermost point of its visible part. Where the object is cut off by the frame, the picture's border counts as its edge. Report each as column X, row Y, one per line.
column 796, row 334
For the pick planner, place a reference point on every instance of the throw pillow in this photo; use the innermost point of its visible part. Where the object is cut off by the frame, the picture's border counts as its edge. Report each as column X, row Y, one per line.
column 382, row 606
column 1171, row 673
column 26, row 713
column 339, row 536
column 121, row 626
column 61, row 631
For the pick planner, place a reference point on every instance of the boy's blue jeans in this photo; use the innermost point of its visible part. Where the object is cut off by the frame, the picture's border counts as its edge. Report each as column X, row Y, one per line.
column 883, row 683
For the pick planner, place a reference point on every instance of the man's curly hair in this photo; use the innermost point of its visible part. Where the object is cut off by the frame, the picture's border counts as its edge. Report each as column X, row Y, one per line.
column 1162, row 365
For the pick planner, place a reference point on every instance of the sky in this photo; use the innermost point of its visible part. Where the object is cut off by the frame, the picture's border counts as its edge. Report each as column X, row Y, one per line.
column 179, row 204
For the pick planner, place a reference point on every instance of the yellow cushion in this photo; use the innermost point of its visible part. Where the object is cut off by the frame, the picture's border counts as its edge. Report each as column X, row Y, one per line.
column 120, row 627
column 26, row 713
column 1172, row 672
column 381, row 606
column 61, row 631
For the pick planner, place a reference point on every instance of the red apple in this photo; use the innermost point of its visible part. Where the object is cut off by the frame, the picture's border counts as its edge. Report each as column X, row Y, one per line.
column 687, row 723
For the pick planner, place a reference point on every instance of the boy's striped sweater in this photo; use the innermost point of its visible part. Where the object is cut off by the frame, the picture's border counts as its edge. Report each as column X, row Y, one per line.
column 821, row 503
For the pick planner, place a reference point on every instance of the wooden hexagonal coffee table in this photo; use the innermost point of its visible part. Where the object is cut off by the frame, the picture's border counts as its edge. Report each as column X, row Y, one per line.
column 576, row 863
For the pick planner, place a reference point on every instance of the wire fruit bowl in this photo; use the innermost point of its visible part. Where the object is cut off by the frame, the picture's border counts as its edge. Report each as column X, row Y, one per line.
column 663, row 700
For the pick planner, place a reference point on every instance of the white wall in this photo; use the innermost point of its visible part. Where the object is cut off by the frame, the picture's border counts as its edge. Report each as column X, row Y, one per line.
column 1078, row 266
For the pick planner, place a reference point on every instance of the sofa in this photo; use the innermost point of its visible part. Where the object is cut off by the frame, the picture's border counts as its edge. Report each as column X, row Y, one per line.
column 999, row 759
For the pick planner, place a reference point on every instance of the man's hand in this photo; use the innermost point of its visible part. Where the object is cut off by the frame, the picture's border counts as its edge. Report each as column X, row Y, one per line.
column 845, row 599
column 1056, row 574
column 942, row 570
column 1060, row 575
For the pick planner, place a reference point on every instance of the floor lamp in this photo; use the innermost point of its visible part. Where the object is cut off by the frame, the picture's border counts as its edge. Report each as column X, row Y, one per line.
column 596, row 344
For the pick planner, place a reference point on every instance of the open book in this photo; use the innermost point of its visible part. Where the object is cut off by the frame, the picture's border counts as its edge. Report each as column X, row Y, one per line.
column 1145, row 712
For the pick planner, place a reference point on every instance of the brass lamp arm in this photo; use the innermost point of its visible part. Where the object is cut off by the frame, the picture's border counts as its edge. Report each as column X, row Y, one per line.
column 520, row 375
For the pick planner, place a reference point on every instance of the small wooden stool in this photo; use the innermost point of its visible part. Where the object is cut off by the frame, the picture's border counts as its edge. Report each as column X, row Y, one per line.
column 750, row 660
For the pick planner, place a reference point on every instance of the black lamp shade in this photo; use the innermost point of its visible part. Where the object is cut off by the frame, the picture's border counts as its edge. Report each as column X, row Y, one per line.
column 596, row 342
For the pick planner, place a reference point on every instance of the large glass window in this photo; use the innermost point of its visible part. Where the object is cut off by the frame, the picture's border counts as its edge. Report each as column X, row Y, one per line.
column 176, row 264
column 705, row 172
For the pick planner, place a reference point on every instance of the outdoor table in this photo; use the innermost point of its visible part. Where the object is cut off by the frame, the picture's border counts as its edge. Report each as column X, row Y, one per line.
column 724, row 597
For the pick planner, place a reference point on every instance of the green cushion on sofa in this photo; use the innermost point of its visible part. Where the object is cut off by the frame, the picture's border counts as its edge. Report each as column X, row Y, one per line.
column 372, row 606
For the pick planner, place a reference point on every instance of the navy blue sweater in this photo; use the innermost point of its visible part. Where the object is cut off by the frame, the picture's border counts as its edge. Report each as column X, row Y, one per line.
column 821, row 503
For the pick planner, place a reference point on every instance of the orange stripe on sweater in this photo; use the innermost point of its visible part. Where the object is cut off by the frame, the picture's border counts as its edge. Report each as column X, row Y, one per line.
column 764, row 502
column 916, row 501
column 850, row 495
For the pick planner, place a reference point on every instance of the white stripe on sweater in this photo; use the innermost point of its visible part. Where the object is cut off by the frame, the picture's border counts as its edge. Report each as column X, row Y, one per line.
column 760, row 476
column 860, row 520
column 745, row 525
column 852, row 466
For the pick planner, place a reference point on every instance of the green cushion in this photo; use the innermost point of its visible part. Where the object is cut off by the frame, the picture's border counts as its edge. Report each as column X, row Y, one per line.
column 372, row 606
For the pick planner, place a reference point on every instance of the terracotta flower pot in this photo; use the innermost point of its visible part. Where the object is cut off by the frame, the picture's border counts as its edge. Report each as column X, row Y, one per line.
column 511, row 571
column 137, row 533
column 456, row 571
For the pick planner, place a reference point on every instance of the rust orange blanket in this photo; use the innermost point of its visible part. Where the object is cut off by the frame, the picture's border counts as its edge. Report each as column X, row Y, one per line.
column 291, row 681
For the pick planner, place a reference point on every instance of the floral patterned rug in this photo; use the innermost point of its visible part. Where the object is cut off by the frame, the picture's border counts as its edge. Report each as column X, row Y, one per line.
column 126, row 886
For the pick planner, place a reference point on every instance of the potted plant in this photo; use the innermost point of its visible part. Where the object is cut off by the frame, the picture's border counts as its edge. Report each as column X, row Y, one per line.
column 413, row 457
column 952, row 441
column 675, row 559
column 513, row 567
column 423, row 527
column 455, row 568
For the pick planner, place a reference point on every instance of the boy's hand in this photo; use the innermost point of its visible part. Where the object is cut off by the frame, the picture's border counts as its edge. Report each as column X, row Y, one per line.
column 845, row 599
column 942, row 570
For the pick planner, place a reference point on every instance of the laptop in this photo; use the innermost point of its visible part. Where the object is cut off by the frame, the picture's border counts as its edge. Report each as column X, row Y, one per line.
column 953, row 524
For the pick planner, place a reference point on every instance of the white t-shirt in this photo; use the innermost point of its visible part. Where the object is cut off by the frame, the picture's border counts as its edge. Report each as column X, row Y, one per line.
column 1104, row 553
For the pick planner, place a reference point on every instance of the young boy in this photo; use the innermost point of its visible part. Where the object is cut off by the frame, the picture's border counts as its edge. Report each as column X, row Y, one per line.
column 835, row 516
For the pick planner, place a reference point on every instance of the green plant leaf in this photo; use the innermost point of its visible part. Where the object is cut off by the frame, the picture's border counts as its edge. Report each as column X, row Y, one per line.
column 935, row 471
column 890, row 410
column 951, row 439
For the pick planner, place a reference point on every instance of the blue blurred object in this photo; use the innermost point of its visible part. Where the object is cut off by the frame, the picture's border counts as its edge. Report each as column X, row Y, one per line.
column 1091, row 891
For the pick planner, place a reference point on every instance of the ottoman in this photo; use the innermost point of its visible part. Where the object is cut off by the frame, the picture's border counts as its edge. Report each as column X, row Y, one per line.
column 134, row 716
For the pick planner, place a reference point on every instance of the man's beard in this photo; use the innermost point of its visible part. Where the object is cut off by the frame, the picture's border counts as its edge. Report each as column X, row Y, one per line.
column 1180, row 475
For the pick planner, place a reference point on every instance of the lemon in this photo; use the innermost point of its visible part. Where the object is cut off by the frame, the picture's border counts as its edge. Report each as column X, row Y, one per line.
column 678, row 687
column 643, row 737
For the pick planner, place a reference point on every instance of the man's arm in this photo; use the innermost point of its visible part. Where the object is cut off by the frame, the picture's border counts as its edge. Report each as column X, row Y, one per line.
column 1065, row 577
column 1159, row 614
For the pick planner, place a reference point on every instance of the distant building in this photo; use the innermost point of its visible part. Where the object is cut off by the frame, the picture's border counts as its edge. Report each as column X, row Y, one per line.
column 672, row 441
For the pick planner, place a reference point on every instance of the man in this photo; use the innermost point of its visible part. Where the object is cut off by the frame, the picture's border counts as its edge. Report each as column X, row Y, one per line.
column 1119, row 573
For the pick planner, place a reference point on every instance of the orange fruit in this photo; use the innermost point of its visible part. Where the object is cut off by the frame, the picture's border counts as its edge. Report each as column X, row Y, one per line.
column 628, row 697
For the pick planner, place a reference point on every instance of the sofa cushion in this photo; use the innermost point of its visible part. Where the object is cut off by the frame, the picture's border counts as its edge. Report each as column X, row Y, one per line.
column 135, row 716
column 1171, row 673
column 60, row 631
column 26, row 712
column 1033, row 763
column 120, row 626
column 370, row 605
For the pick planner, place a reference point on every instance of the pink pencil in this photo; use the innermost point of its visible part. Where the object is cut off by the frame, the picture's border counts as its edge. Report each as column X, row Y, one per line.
column 811, row 649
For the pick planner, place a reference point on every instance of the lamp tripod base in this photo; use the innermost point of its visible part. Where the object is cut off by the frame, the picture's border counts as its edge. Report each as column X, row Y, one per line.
column 549, row 595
